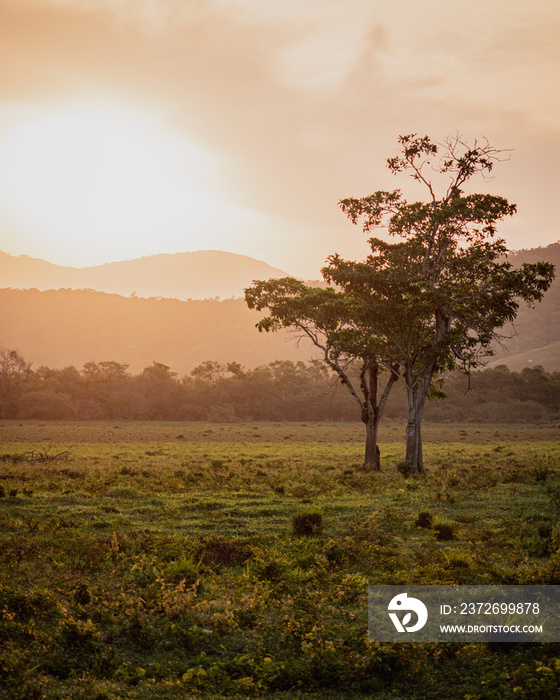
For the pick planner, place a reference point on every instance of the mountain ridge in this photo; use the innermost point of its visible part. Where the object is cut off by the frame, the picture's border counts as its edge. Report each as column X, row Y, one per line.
column 198, row 274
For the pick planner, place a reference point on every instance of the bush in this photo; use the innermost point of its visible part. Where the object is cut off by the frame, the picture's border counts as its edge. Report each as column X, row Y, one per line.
column 215, row 549
column 424, row 519
column 444, row 531
column 541, row 473
column 307, row 523
column 555, row 537
column 271, row 568
column 183, row 569
column 458, row 560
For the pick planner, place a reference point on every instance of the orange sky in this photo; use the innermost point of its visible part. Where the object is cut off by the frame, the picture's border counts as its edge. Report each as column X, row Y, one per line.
column 132, row 127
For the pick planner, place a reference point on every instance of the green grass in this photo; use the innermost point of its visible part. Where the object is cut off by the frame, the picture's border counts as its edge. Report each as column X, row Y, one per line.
column 160, row 561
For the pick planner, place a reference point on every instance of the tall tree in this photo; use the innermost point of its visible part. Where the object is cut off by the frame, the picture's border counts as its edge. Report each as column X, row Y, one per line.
column 347, row 332
column 449, row 271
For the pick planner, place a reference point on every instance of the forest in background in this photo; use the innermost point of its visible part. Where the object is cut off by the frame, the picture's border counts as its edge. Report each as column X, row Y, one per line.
column 281, row 390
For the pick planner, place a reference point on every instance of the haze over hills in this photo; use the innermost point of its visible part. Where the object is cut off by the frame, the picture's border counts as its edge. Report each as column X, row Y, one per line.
column 194, row 275
column 65, row 327
column 72, row 327
column 533, row 337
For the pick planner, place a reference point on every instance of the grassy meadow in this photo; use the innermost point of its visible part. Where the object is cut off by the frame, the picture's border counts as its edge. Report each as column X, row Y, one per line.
column 177, row 560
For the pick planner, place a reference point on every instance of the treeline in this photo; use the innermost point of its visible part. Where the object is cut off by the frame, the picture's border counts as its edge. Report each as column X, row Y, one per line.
column 279, row 390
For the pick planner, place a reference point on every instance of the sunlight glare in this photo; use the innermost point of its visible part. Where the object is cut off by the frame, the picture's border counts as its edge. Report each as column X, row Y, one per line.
column 99, row 181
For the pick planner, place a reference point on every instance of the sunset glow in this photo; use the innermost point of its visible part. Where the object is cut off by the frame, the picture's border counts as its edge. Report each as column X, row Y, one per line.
column 155, row 126
column 103, row 180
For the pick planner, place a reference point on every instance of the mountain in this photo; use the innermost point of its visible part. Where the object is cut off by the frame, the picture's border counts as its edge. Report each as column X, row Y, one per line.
column 535, row 327
column 72, row 327
column 197, row 275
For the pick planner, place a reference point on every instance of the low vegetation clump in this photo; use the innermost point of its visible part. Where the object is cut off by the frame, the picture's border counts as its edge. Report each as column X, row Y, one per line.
column 178, row 577
column 424, row 519
column 444, row 531
column 307, row 523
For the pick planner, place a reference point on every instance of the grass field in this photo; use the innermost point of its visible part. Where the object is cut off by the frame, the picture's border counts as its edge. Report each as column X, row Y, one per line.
column 162, row 560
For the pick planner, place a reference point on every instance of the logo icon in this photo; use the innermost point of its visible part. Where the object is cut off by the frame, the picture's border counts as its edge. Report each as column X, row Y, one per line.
column 402, row 602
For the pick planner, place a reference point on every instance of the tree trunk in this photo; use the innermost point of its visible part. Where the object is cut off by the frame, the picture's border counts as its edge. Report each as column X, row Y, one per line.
column 371, row 415
column 371, row 410
column 372, row 458
column 414, row 455
column 416, row 402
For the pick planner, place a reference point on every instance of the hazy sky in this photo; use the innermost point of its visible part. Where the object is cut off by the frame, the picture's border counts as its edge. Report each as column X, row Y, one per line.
column 132, row 127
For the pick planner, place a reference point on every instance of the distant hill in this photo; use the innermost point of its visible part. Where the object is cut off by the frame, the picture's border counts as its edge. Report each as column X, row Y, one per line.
column 72, row 327
column 536, row 331
column 198, row 275
column 548, row 357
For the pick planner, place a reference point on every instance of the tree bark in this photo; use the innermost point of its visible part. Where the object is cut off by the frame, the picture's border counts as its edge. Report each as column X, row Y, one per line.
column 416, row 401
column 414, row 455
column 372, row 410
column 372, row 458
column 371, row 415
column 417, row 387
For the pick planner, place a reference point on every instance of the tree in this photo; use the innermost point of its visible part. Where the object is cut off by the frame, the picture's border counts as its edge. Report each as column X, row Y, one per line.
column 345, row 330
column 106, row 372
column 431, row 302
column 159, row 390
column 212, row 371
column 15, row 373
column 449, row 271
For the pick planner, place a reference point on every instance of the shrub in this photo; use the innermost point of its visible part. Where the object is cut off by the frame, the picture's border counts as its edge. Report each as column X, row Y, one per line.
column 215, row 549
column 271, row 569
column 458, row 560
column 444, row 531
column 555, row 537
column 307, row 523
column 541, row 473
column 335, row 553
column 183, row 569
column 82, row 595
column 424, row 519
